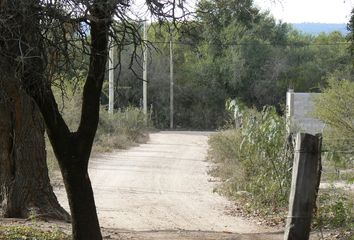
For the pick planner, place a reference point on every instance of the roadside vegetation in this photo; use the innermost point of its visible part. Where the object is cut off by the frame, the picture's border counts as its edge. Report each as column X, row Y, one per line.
column 335, row 107
column 254, row 155
column 30, row 233
column 254, row 162
column 119, row 130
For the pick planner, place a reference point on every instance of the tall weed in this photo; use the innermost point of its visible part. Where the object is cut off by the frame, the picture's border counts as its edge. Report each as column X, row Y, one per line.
column 254, row 160
column 121, row 130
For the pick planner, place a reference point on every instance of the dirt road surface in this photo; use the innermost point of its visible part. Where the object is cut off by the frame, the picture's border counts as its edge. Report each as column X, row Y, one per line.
column 161, row 190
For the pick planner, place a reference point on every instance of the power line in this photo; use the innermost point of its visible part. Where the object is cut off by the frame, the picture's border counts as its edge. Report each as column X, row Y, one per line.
column 253, row 44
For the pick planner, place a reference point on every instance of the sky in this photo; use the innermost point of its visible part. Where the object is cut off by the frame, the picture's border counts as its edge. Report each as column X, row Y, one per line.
column 294, row 11
column 299, row 11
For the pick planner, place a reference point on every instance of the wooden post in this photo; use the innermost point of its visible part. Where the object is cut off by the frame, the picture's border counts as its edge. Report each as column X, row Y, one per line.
column 304, row 186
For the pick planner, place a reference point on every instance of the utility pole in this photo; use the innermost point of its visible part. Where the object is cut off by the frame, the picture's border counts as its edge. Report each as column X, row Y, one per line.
column 171, row 81
column 145, row 72
column 111, row 78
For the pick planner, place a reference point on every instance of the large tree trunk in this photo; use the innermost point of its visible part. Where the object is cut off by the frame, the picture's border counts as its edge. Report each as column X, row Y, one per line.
column 72, row 149
column 85, row 223
column 25, row 186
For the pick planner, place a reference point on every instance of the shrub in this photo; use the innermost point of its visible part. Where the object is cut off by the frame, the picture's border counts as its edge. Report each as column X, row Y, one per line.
column 335, row 107
column 335, row 209
column 122, row 129
column 253, row 160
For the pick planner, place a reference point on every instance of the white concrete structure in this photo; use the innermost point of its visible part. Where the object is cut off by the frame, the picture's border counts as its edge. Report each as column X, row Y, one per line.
column 299, row 108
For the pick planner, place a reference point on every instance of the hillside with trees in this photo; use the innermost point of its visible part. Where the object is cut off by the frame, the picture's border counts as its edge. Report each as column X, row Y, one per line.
column 317, row 28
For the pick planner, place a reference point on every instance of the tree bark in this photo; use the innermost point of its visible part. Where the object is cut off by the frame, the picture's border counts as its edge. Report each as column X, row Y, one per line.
column 72, row 149
column 25, row 187
column 85, row 223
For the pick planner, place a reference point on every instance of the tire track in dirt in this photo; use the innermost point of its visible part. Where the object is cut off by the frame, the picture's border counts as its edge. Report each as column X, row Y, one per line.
column 160, row 187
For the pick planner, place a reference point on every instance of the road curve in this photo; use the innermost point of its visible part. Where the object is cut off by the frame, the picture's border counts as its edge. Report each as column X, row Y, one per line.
column 162, row 185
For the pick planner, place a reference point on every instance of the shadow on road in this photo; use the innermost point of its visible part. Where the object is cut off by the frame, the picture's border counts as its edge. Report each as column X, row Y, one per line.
column 188, row 235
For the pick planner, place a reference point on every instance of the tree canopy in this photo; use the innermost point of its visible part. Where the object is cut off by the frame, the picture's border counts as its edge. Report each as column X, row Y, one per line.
column 44, row 43
column 231, row 50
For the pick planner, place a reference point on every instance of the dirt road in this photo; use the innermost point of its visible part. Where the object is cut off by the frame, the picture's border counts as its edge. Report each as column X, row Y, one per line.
column 160, row 190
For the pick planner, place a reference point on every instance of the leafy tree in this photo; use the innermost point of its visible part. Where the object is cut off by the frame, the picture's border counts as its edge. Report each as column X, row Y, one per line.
column 231, row 50
column 350, row 36
column 43, row 26
column 335, row 106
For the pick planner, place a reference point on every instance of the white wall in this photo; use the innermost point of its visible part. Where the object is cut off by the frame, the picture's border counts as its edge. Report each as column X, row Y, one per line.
column 299, row 112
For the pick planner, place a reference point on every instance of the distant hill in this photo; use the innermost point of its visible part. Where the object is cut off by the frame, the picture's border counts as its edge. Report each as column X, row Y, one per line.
column 317, row 28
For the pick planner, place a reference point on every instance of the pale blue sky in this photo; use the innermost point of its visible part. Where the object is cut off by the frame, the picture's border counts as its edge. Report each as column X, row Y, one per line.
column 294, row 11
column 298, row 11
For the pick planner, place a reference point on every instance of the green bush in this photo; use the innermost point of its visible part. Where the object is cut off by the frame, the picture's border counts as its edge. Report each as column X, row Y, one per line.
column 335, row 107
column 254, row 163
column 253, row 160
column 335, row 209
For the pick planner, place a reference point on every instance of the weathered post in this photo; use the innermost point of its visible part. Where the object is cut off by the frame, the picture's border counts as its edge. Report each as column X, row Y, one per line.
column 304, row 186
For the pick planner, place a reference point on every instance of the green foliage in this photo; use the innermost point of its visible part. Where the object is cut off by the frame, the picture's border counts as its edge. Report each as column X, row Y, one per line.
column 254, row 163
column 335, row 210
column 335, row 107
column 230, row 50
column 253, row 160
column 350, row 36
column 29, row 233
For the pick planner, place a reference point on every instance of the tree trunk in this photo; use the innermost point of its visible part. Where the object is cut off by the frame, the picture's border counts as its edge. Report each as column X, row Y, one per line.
column 85, row 223
column 25, row 187
column 72, row 149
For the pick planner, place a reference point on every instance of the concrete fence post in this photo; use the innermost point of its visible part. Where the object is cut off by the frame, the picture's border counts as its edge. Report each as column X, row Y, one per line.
column 289, row 109
column 304, row 186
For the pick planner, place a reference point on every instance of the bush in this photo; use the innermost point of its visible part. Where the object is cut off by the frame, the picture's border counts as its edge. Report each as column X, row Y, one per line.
column 335, row 107
column 121, row 130
column 335, row 209
column 253, row 160
column 254, row 163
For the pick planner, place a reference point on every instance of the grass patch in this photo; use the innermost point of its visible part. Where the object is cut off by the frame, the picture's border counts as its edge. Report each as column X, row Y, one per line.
column 29, row 233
